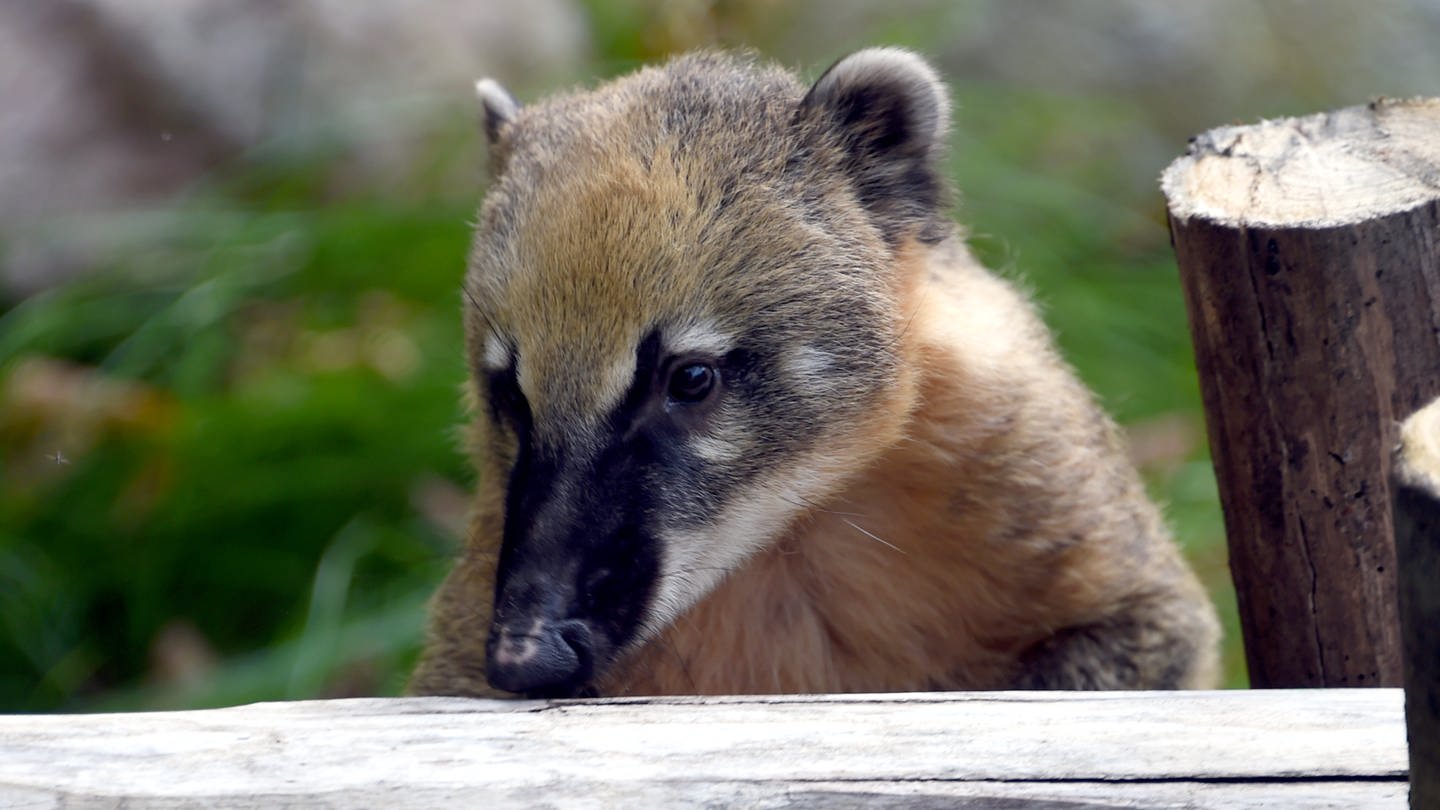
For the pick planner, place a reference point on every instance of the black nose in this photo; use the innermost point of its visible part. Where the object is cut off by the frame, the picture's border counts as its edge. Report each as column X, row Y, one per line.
column 540, row 657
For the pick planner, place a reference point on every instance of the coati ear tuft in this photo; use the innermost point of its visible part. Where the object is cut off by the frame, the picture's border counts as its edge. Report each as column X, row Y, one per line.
column 497, row 108
column 891, row 114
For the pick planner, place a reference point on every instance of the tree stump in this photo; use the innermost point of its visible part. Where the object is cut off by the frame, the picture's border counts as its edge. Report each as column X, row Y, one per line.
column 1309, row 250
column 1417, row 544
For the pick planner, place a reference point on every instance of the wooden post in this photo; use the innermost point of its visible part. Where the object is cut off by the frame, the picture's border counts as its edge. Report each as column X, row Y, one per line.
column 1417, row 545
column 1309, row 250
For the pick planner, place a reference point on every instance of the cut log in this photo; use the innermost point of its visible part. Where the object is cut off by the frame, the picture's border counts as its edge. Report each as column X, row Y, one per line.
column 1417, row 545
column 1309, row 251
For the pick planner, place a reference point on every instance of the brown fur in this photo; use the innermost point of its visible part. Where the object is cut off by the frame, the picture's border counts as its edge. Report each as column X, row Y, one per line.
column 1041, row 526
column 977, row 524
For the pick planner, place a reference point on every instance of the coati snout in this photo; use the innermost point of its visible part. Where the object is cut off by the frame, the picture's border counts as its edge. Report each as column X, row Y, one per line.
column 749, row 417
column 593, row 512
column 579, row 557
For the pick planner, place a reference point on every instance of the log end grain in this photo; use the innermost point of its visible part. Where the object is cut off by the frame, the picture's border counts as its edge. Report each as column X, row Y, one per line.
column 1309, row 250
column 1322, row 170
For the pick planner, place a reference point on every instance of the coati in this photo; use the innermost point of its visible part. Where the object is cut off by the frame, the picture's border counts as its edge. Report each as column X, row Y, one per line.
column 749, row 418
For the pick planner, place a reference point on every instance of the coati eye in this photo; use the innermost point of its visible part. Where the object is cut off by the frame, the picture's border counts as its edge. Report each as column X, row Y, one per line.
column 691, row 383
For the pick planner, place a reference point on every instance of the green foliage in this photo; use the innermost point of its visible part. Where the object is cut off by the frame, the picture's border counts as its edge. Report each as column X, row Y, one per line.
column 256, row 406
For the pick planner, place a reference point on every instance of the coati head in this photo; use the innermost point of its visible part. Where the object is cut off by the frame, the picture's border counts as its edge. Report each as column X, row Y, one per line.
column 685, row 316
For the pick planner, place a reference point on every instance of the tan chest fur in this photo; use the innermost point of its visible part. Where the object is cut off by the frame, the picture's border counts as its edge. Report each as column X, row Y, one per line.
column 952, row 553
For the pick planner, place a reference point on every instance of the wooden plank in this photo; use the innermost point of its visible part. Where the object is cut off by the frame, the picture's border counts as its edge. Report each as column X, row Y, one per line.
column 1417, row 545
column 1309, row 250
column 1330, row 748
column 791, row 796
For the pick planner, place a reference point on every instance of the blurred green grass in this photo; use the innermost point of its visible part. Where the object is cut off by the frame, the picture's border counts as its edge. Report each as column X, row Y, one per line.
column 248, row 415
column 231, row 470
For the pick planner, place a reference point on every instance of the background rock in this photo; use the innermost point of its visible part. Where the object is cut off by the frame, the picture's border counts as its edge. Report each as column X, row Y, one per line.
column 115, row 105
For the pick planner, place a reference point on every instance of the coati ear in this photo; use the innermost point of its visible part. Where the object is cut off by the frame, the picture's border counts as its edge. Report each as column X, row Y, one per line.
column 891, row 114
column 497, row 108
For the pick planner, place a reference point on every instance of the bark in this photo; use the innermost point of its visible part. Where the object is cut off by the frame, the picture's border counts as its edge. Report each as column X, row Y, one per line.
column 1309, row 250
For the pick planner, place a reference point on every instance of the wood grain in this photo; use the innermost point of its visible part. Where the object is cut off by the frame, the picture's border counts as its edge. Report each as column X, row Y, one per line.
column 1340, row 748
column 1309, row 251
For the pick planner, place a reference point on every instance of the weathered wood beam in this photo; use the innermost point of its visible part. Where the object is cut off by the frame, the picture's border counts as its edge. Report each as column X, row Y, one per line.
column 1309, row 250
column 1340, row 748
column 1417, row 544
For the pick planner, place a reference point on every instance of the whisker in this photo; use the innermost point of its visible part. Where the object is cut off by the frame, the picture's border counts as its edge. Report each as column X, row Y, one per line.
column 680, row 659
column 479, row 310
column 719, row 568
column 845, row 518
column 900, row 336
column 873, row 536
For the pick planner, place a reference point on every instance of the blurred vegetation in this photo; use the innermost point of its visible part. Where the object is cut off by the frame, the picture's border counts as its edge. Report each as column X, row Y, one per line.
column 230, row 471
column 230, row 467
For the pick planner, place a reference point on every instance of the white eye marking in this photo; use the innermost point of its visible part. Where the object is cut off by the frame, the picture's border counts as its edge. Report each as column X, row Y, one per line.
column 807, row 364
column 713, row 449
column 726, row 440
column 614, row 382
column 699, row 338
column 496, row 354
